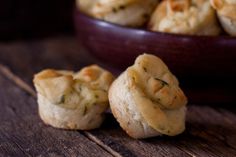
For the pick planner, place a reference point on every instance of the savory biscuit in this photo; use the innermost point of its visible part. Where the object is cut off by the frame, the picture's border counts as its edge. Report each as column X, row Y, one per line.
column 122, row 12
column 226, row 10
column 192, row 17
column 147, row 101
column 73, row 100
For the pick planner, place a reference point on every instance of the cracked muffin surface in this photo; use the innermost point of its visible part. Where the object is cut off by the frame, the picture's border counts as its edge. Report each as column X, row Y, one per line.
column 147, row 101
column 73, row 100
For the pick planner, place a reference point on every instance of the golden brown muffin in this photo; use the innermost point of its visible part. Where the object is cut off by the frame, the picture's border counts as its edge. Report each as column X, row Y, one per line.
column 73, row 100
column 226, row 10
column 122, row 12
column 146, row 99
column 193, row 17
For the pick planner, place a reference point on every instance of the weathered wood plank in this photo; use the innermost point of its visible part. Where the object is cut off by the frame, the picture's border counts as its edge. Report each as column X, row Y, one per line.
column 27, row 58
column 206, row 129
column 203, row 136
column 22, row 133
column 112, row 136
column 209, row 132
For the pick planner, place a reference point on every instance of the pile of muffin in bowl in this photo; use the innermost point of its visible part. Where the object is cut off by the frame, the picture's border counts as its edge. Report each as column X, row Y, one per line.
column 189, row 17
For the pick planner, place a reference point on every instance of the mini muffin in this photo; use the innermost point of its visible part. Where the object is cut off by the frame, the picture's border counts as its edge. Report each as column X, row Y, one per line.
column 226, row 10
column 147, row 101
column 71, row 100
column 122, row 12
column 191, row 17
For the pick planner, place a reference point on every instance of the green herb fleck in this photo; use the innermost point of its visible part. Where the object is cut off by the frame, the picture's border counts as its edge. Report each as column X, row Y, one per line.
column 85, row 110
column 96, row 96
column 163, row 82
column 122, row 7
column 62, row 99
column 145, row 16
column 114, row 10
column 145, row 69
column 133, row 78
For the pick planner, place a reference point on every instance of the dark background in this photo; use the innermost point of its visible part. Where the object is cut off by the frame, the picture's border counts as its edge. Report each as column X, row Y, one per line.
column 35, row 18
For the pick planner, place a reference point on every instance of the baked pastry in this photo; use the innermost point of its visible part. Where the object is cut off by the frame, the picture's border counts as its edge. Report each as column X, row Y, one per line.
column 226, row 10
column 192, row 17
column 146, row 99
column 123, row 12
column 73, row 100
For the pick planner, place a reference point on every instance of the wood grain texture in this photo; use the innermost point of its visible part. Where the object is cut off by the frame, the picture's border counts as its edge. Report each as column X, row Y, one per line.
column 26, row 58
column 22, row 133
column 210, row 131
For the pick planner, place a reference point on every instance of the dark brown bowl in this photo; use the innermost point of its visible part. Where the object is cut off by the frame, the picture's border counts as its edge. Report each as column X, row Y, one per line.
column 202, row 63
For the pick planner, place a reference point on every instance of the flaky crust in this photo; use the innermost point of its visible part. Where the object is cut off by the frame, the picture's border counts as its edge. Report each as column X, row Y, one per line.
column 73, row 100
column 193, row 17
column 226, row 10
column 123, row 12
column 147, row 101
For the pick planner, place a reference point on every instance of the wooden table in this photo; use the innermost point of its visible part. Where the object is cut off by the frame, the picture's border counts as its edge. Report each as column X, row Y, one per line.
column 210, row 131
